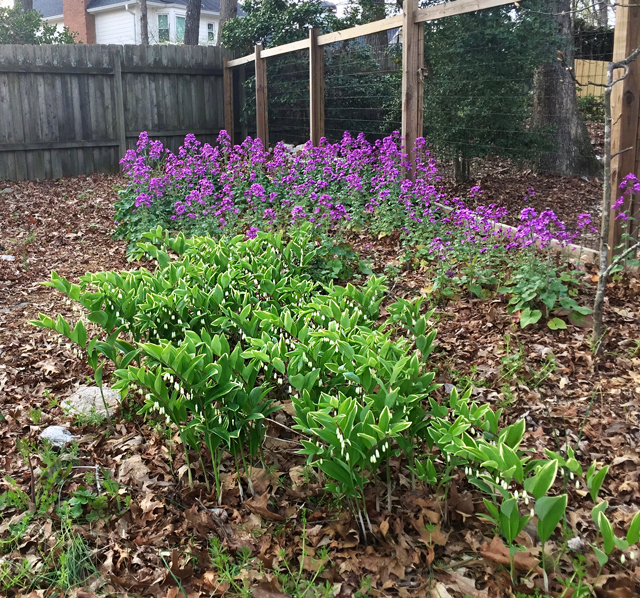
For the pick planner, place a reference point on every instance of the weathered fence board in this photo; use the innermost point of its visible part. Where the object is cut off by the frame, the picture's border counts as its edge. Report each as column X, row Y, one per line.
column 71, row 110
column 592, row 75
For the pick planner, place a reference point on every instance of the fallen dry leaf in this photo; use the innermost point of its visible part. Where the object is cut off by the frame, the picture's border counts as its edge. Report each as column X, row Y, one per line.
column 259, row 504
column 499, row 553
column 269, row 589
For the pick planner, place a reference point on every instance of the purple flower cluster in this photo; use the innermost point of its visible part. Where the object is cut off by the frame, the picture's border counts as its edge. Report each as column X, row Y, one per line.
column 630, row 186
column 244, row 186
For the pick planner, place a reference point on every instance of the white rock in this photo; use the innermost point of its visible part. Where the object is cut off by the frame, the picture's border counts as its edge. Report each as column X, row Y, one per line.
column 8, row 258
column 57, row 435
column 576, row 543
column 87, row 400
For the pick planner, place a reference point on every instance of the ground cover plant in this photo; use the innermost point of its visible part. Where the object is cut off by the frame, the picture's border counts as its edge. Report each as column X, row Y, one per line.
column 221, row 334
column 163, row 513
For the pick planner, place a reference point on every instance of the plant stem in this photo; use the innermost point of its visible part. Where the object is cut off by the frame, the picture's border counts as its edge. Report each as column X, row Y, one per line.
column 388, row 486
column 248, row 472
column 204, row 473
column 185, row 448
column 235, row 458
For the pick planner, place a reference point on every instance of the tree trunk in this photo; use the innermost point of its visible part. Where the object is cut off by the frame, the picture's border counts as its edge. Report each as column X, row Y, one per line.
column 603, row 14
column 192, row 23
column 555, row 109
column 228, row 11
column 376, row 10
column 462, row 169
column 26, row 5
column 144, row 23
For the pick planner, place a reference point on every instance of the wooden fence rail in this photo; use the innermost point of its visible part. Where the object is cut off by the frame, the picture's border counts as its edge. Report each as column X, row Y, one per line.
column 67, row 110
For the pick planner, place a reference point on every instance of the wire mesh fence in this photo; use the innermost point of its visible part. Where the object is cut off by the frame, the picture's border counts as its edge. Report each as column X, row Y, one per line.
column 501, row 111
column 510, row 105
column 288, row 97
column 363, row 83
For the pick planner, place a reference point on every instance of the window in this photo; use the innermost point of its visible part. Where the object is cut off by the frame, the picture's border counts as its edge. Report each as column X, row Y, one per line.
column 180, row 21
column 163, row 28
column 212, row 32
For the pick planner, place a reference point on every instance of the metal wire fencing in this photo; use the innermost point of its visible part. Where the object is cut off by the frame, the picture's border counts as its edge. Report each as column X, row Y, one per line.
column 363, row 82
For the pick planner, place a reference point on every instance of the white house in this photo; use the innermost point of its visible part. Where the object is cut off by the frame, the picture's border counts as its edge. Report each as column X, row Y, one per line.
column 118, row 21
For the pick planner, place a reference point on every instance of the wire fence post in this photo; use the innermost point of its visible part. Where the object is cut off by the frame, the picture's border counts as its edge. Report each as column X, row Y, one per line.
column 625, row 128
column 227, row 78
column 412, row 88
column 316, row 87
column 262, row 106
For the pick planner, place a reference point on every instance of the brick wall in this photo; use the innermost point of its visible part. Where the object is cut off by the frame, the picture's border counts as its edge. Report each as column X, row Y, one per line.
column 79, row 20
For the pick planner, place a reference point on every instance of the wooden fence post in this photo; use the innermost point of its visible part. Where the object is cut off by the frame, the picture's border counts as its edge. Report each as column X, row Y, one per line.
column 625, row 117
column 412, row 86
column 316, row 87
column 120, row 124
column 227, row 81
column 262, row 106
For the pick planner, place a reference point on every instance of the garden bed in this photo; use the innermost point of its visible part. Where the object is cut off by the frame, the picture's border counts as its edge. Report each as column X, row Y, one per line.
column 510, row 185
column 162, row 539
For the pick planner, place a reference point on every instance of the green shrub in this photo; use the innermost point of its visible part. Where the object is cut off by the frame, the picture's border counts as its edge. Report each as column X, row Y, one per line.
column 591, row 108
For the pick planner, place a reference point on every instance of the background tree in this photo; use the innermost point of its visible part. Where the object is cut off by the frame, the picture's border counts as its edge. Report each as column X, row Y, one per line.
column 18, row 26
column 192, row 23
column 555, row 104
column 593, row 12
column 228, row 11
column 373, row 10
column 276, row 22
column 478, row 85
column 144, row 23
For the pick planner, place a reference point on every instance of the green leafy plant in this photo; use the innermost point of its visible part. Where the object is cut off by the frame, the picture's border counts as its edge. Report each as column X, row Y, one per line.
column 539, row 286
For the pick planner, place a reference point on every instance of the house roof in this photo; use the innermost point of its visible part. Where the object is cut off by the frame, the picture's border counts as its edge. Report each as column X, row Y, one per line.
column 48, row 8
column 51, row 8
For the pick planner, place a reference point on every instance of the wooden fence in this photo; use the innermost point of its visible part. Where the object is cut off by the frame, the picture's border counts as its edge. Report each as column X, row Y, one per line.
column 588, row 73
column 67, row 110
column 625, row 104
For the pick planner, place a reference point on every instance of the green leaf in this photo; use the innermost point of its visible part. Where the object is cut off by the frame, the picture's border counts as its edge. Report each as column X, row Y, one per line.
column 557, row 324
column 529, row 316
column 633, row 535
column 595, row 483
column 599, row 508
column 98, row 375
column 278, row 364
column 492, row 509
column 550, row 510
column 606, row 529
column 603, row 559
column 383, row 422
column 337, row 470
column 511, row 523
column 538, row 485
